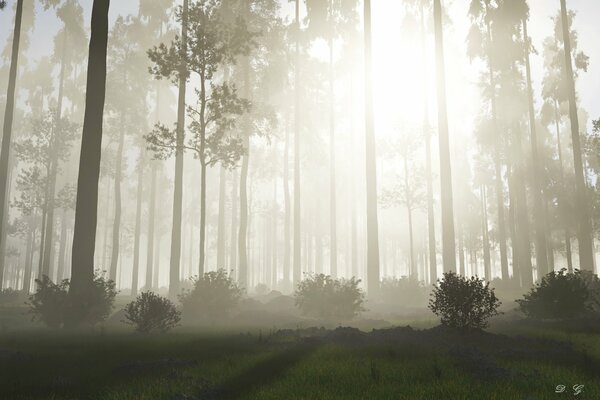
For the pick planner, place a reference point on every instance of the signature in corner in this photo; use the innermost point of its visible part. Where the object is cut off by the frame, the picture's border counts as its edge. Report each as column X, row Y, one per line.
column 577, row 389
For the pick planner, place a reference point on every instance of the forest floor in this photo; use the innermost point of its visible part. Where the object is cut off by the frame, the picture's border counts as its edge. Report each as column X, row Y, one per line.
column 515, row 360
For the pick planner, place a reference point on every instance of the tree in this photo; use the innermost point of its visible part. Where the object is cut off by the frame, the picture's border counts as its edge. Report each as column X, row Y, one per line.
column 448, row 244
column 84, row 235
column 371, row 167
column 584, row 236
column 7, row 127
column 480, row 38
column 555, row 108
column 213, row 44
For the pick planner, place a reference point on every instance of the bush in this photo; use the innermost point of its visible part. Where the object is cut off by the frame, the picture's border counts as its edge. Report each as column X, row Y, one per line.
column 9, row 296
column 213, row 296
column 261, row 289
column 321, row 296
column 463, row 303
column 562, row 295
column 52, row 305
column 406, row 292
column 150, row 311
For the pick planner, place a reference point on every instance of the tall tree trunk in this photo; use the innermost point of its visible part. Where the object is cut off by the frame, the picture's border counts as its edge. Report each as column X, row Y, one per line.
column 60, row 273
column 51, row 193
column 562, row 200
column 233, row 248
column 202, row 253
column 413, row 267
column 274, row 218
column 541, row 249
column 221, row 225
column 84, row 236
column 29, row 261
column 138, row 228
column 40, row 273
column 448, row 241
column 332, row 175
column 428, row 169
column 297, row 273
column 116, row 232
column 151, row 222
column 497, row 164
column 175, row 260
column 484, row 227
column 288, row 216
column 373, row 274
column 243, row 232
column 584, row 235
column 7, row 131
column 156, row 270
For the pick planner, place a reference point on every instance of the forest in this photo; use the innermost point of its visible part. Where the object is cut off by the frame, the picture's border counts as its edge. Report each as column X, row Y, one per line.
column 298, row 199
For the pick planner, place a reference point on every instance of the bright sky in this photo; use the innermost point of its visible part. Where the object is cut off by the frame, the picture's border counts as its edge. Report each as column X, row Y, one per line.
column 398, row 82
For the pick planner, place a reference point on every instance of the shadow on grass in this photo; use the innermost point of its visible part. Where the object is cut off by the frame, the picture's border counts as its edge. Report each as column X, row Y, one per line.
column 262, row 373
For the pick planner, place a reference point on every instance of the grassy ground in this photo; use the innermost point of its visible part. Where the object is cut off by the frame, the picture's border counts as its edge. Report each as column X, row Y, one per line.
column 518, row 361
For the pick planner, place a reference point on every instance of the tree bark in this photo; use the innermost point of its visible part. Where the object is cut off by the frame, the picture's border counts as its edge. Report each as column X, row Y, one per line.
column 138, row 228
column 332, row 175
column 541, row 248
column 7, row 130
column 116, row 232
column 288, row 216
column 448, row 240
column 84, row 236
column 221, row 224
column 373, row 274
column 584, row 235
column 297, row 266
column 174, row 269
column 151, row 222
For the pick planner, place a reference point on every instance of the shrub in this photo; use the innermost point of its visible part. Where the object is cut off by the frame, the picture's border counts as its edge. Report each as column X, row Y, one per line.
column 464, row 303
column 9, row 296
column 213, row 296
column 560, row 295
column 405, row 291
column 261, row 289
column 52, row 305
column 321, row 296
column 150, row 312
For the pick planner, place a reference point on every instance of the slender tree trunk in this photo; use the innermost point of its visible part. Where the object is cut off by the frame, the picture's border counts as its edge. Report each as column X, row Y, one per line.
column 233, row 248
column 116, row 232
column 7, row 131
column 274, row 218
column 373, row 274
column 541, row 250
column 413, row 267
column 332, row 174
column 549, row 240
column 202, row 252
column 562, row 200
column 40, row 273
column 297, row 273
column 60, row 273
column 497, row 165
column 138, row 228
column 484, row 226
column 51, row 193
column 461, row 249
column 584, row 236
column 84, row 236
column 288, row 216
column 243, row 232
column 428, row 168
column 151, row 222
column 448, row 241
column 221, row 226
column 174, row 269
column 29, row 261
column 512, row 226
column 156, row 270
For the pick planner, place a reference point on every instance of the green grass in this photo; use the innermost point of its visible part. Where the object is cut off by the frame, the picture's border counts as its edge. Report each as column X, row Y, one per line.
column 115, row 364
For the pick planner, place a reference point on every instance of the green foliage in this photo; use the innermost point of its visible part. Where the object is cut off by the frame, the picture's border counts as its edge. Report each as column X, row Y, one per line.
column 403, row 292
column 152, row 312
column 562, row 295
column 52, row 305
column 321, row 296
column 464, row 303
column 213, row 296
